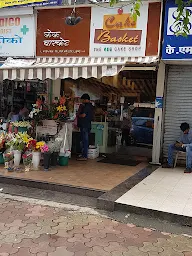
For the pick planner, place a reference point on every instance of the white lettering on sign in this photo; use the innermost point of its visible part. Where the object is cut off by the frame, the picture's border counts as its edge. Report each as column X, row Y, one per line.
column 50, row 34
column 170, row 49
column 60, row 42
column 182, row 49
column 185, row 49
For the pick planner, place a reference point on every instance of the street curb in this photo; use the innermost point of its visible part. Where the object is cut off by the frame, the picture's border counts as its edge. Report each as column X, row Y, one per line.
column 171, row 217
column 107, row 200
column 83, row 191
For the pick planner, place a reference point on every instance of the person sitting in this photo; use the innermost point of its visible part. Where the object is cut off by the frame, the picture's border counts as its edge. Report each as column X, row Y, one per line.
column 183, row 144
column 13, row 117
column 24, row 112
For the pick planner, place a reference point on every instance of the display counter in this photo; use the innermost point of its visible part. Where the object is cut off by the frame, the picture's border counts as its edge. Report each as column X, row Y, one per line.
column 105, row 138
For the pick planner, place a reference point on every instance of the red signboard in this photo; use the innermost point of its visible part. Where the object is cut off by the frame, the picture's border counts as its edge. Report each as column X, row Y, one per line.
column 55, row 38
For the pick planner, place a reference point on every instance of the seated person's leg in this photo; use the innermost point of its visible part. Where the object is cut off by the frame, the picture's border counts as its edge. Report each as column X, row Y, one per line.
column 188, row 159
column 171, row 150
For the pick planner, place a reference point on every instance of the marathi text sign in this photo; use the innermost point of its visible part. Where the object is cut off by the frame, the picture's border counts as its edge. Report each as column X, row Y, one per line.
column 7, row 3
column 17, row 35
column 55, row 38
column 176, row 47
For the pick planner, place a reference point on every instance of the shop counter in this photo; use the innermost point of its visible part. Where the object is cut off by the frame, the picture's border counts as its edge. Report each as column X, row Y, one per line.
column 105, row 138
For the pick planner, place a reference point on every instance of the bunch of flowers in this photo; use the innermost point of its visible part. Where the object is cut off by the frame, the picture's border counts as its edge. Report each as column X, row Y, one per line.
column 35, row 146
column 8, row 156
column 54, row 146
column 22, row 124
column 58, row 109
column 44, row 148
column 2, row 142
column 35, row 111
column 18, row 141
column 27, row 158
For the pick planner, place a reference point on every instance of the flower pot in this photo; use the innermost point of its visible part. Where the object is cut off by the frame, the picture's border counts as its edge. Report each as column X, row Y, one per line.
column 54, row 158
column 36, row 157
column 63, row 160
column 22, row 129
column 46, row 161
column 17, row 158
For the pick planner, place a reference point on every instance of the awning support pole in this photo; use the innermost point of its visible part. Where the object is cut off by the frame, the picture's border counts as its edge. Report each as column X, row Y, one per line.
column 158, row 132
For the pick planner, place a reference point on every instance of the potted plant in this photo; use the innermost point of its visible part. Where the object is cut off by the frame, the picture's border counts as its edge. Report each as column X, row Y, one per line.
column 17, row 144
column 27, row 160
column 8, row 160
column 2, row 146
column 54, row 147
column 22, row 126
column 58, row 110
column 46, row 156
column 35, row 147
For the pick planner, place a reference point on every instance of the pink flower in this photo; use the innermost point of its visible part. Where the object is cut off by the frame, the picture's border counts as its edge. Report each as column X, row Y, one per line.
column 44, row 148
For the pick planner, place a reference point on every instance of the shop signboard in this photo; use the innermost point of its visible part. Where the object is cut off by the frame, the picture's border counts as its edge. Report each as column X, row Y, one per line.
column 17, row 33
column 55, row 38
column 115, row 33
column 176, row 47
column 42, row 3
column 7, row 3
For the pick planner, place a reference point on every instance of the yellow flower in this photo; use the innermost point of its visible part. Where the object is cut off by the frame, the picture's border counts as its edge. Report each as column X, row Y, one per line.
column 61, row 108
column 26, row 138
column 40, row 144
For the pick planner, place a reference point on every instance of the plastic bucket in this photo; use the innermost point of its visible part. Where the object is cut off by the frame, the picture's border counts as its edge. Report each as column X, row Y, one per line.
column 63, row 161
column 1, row 158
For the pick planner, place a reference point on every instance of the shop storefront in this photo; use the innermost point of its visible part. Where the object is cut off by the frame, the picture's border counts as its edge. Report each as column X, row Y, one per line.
column 177, row 55
column 108, row 55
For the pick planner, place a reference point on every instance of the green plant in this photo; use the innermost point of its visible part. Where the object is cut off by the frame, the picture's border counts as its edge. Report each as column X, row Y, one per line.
column 18, row 141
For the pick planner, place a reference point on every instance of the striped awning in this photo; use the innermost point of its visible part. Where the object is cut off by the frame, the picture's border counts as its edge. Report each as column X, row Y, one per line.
column 54, row 68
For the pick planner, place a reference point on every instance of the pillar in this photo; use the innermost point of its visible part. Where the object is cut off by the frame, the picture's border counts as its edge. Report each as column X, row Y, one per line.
column 158, row 119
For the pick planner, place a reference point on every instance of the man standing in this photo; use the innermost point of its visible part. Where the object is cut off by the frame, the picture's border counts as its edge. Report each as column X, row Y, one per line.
column 85, row 116
column 183, row 144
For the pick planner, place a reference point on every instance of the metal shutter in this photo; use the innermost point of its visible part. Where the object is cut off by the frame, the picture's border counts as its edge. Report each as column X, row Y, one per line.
column 178, row 103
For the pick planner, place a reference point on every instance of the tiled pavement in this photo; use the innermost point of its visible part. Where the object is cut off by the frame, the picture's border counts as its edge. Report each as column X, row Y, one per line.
column 91, row 174
column 165, row 190
column 35, row 230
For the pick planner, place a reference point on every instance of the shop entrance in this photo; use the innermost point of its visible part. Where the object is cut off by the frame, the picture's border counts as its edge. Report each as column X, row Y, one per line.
column 124, row 107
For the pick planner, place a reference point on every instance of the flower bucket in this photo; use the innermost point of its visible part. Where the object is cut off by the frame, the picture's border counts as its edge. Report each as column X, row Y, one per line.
column 1, row 158
column 63, row 161
column 36, row 160
column 17, row 158
column 46, row 161
column 22, row 129
column 54, row 158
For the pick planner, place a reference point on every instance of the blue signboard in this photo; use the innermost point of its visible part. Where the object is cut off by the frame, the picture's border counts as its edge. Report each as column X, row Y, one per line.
column 159, row 102
column 175, row 47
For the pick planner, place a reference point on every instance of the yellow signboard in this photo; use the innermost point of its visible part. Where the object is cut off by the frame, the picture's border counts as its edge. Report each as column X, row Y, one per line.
column 7, row 3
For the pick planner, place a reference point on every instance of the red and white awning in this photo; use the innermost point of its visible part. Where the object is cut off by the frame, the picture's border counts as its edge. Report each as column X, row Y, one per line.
column 54, row 68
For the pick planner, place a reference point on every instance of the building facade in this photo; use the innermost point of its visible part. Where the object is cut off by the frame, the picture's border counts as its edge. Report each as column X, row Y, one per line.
column 107, row 43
